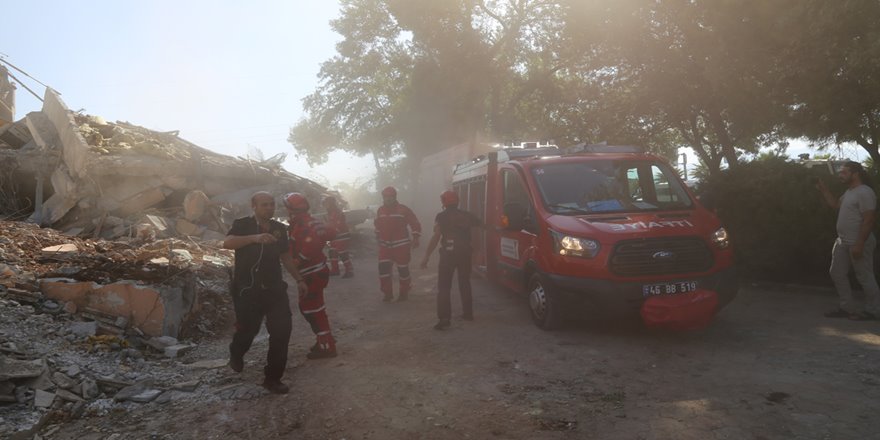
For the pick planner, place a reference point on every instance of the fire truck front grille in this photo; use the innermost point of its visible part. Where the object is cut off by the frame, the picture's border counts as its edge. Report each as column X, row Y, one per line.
column 660, row 256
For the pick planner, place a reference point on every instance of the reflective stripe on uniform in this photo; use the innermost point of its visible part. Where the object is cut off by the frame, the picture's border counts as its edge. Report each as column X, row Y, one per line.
column 313, row 269
column 314, row 311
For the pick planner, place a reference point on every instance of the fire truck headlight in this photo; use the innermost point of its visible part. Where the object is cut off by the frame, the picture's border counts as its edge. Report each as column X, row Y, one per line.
column 720, row 238
column 575, row 247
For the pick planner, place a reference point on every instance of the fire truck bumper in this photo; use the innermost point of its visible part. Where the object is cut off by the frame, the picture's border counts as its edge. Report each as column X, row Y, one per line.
column 586, row 296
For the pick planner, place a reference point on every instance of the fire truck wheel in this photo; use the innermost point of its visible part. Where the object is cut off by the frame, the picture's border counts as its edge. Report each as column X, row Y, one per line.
column 544, row 304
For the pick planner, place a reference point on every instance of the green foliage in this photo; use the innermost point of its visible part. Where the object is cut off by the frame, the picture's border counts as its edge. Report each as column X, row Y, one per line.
column 830, row 67
column 780, row 227
column 727, row 78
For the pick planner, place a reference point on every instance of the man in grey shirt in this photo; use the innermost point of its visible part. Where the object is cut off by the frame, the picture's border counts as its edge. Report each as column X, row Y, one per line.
column 855, row 244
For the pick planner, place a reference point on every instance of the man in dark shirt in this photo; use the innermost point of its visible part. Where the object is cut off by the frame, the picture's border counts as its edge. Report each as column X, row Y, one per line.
column 258, row 290
column 452, row 228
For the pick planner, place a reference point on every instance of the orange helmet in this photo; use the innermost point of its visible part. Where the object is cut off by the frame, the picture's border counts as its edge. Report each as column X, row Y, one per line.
column 329, row 201
column 296, row 202
column 449, row 198
column 389, row 191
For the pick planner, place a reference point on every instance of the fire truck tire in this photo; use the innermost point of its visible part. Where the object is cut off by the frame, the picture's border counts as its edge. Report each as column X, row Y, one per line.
column 544, row 304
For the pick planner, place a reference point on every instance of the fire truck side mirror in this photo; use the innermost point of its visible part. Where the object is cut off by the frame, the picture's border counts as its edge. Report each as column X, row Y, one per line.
column 516, row 216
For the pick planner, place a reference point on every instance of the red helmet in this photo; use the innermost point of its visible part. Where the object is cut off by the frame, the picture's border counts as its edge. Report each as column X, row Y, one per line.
column 449, row 198
column 389, row 191
column 295, row 202
column 329, row 201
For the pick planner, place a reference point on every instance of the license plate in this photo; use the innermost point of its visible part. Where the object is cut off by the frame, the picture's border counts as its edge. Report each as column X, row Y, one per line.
column 669, row 288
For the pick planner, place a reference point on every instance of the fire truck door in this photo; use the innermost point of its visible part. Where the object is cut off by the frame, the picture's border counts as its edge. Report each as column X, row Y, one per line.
column 518, row 232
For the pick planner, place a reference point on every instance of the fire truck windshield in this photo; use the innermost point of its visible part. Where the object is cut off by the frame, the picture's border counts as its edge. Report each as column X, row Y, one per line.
column 601, row 186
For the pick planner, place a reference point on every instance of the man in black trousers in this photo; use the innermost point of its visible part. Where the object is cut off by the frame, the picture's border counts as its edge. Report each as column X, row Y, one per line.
column 258, row 289
column 452, row 228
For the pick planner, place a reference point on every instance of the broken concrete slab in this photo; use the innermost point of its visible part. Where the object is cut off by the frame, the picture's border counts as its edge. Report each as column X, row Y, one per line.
column 176, row 351
column 43, row 399
column 68, row 396
column 155, row 310
column 128, row 392
column 194, row 205
column 7, row 392
column 166, row 397
column 60, row 251
column 16, row 369
column 83, row 329
column 146, row 396
column 73, row 371
column 160, row 223
column 161, row 342
column 63, row 381
column 182, row 255
column 186, row 386
column 143, row 200
column 43, row 132
column 75, row 150
column 61, row 202
column 140, row 393
column 90, row 389
column 185, row 227
column 15, row 134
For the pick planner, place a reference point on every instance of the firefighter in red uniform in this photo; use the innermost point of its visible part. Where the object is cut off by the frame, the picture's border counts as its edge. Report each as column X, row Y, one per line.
column 339, row 245
column 393, row 223
column 452, row 228
column 308, row 237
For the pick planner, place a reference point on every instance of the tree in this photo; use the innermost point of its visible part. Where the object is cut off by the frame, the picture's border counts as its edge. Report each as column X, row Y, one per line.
column 699, row 71
column 414, row 76
column 831, row 64
column 355, row 105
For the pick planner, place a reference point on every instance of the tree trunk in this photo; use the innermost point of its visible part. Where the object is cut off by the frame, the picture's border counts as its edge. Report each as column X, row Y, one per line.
column 727, row 149
column 707, row 153
column 381, row 178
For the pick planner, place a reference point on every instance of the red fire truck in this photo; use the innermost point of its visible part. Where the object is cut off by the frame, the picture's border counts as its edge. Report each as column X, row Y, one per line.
column 597, row 230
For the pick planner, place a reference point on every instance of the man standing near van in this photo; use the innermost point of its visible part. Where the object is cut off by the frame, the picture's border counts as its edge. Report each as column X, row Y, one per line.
column 855, row 244
column 393, row 224
column 452, row 228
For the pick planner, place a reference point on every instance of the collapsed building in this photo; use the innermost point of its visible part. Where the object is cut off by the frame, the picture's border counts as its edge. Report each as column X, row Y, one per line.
column 140, row 202
column 111, row 257
column 77, row 168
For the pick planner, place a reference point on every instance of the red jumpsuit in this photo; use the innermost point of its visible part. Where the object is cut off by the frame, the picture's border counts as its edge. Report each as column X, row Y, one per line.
column 394, row 245
column 339, row 245
column 307, row 239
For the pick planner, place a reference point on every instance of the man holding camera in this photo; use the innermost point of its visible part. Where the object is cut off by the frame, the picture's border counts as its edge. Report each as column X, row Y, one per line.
column 855, row 244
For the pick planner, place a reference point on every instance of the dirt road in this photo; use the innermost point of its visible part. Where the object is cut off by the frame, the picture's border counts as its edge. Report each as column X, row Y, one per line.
column 770, row 367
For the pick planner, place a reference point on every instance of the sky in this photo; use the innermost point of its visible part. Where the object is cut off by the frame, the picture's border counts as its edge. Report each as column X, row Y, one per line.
column 228, row 75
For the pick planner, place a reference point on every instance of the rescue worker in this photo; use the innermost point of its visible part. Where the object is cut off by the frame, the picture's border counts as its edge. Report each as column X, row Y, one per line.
column 339, row 245
column 452, row 230
column 308, row 237
column 398, row 231
column 258, row 289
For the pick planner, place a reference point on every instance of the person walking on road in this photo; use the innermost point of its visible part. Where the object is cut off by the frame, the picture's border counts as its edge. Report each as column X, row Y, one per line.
column 452, row 229
column 339, row 245
column 308, row 236
column 855, row 244
column 258, row 290
column 398, row 231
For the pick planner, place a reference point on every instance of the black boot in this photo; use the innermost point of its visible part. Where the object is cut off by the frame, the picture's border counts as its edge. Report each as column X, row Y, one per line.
column 275, row 386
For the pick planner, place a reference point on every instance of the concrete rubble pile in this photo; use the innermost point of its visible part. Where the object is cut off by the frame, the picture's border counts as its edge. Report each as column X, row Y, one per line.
column 164, row 287
column 55, row 368
column 110, row 180
column 118, row 263
column 89, row 326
